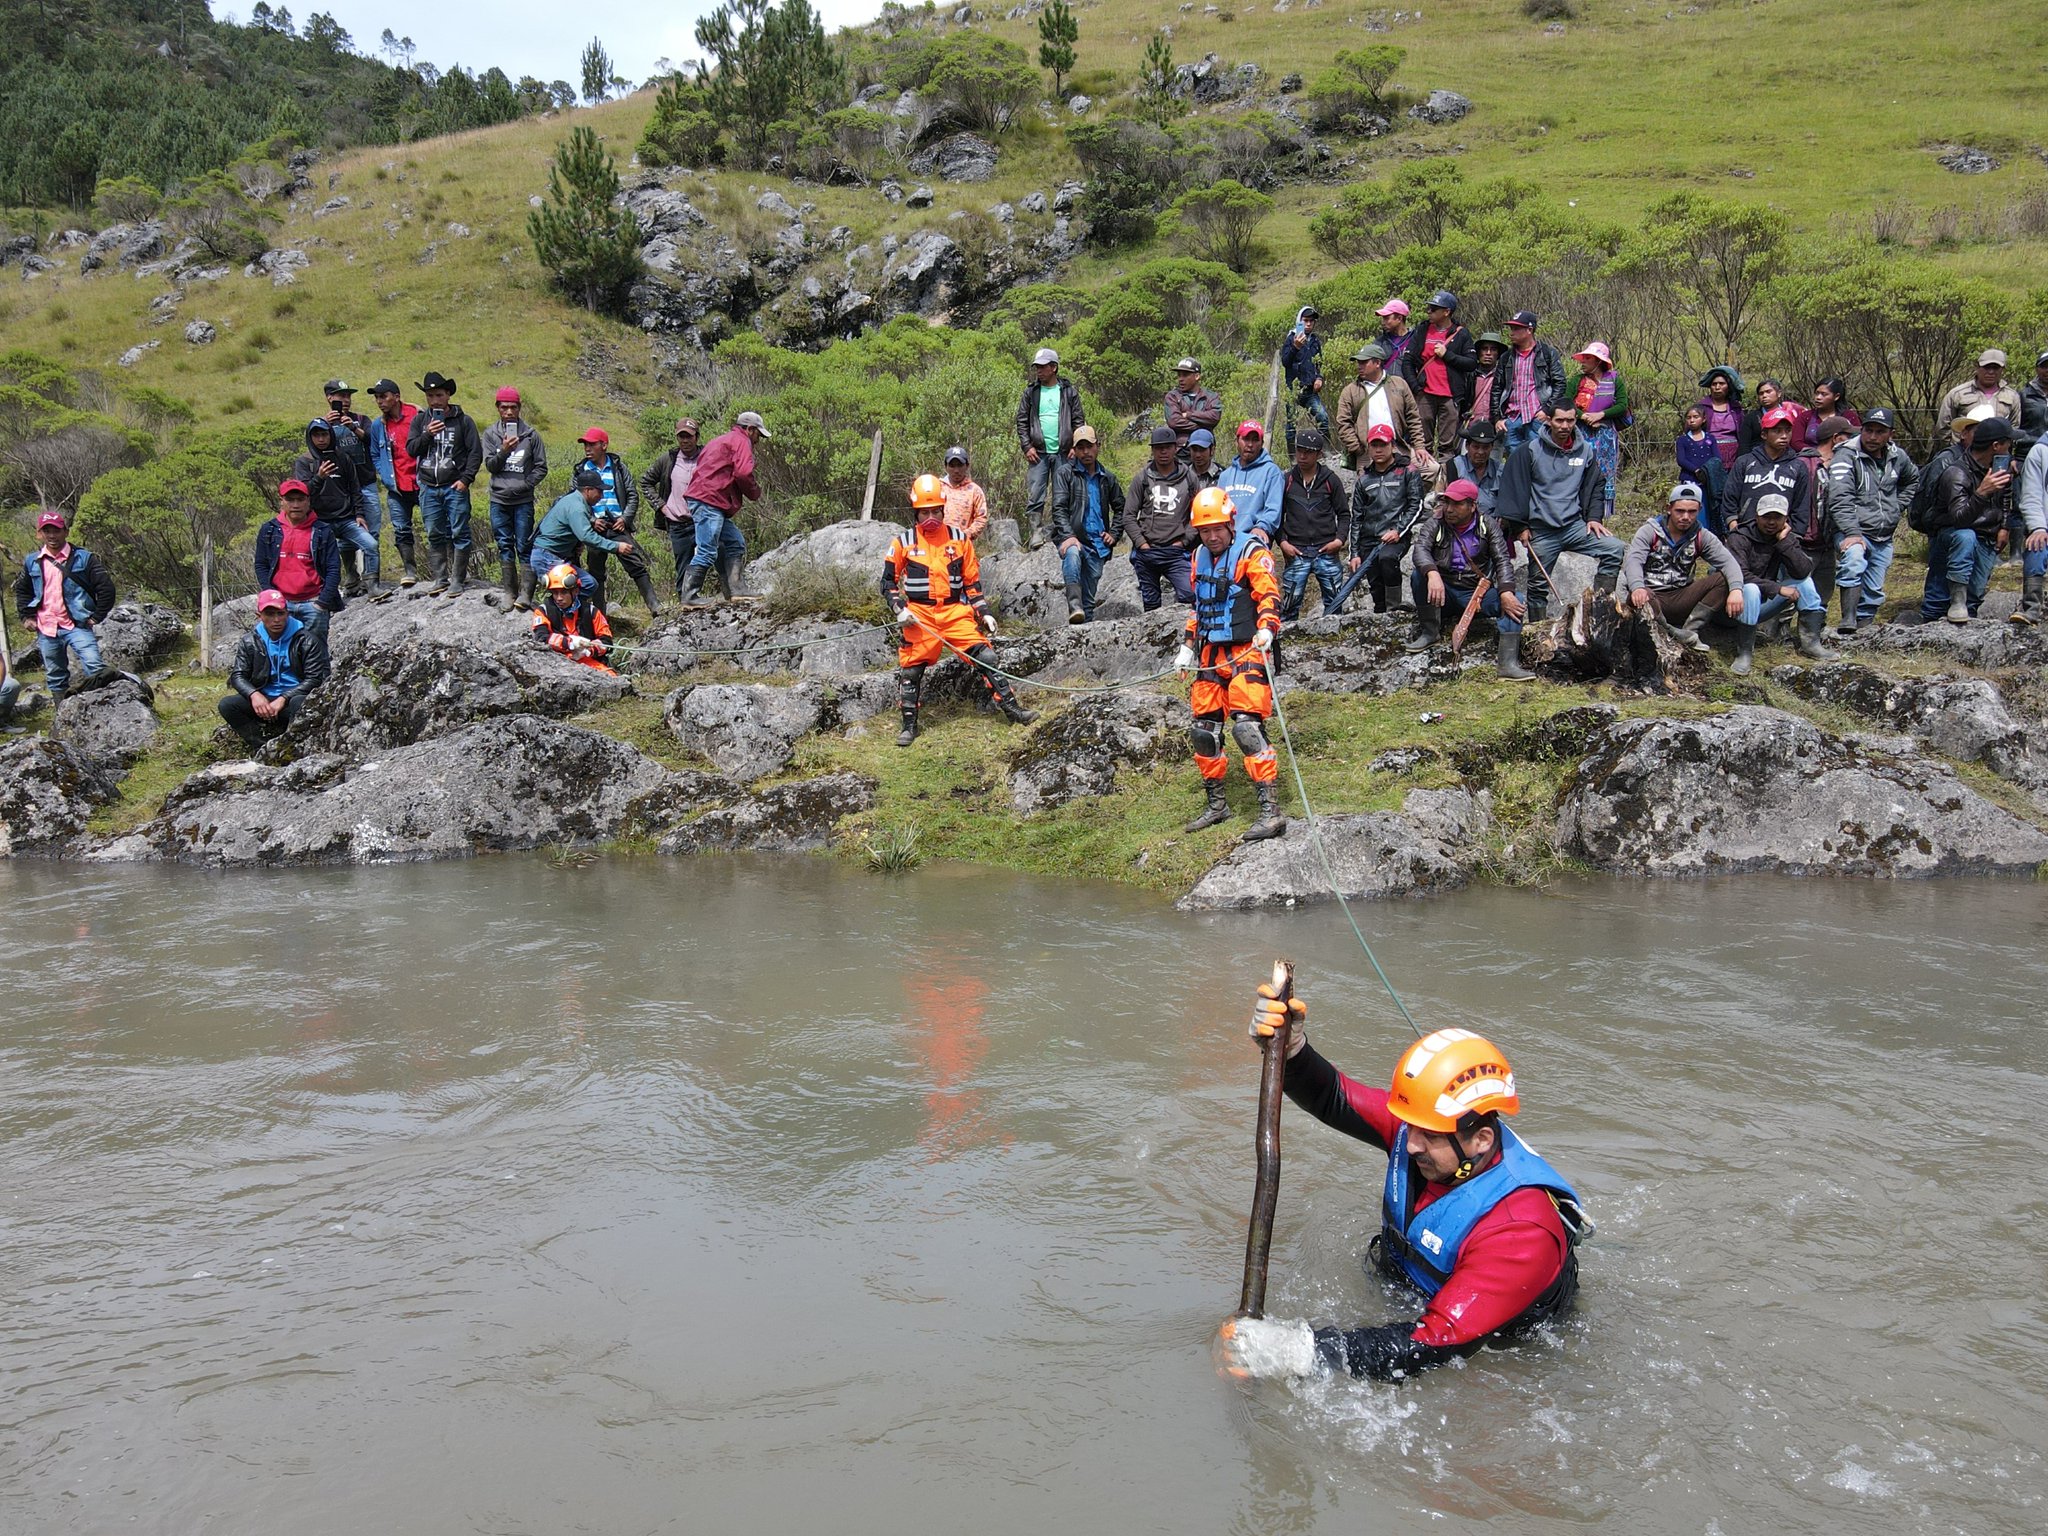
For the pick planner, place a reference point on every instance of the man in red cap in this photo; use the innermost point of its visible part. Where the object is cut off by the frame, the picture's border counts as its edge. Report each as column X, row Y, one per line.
column 1386, row 501
column 615, row 515
column 1254, row 484
column 1769, row 469
column 1456, row 549
column 298, row 556
column 277, row 664
column 518, row 462
column 64, row 591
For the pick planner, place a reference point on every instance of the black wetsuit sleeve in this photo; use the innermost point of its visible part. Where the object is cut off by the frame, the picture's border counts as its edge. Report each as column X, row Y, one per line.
column 1316, row 1086
column 1386, row 1353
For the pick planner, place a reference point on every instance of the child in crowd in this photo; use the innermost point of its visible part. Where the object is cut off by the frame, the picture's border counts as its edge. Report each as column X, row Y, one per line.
column 1699, row 460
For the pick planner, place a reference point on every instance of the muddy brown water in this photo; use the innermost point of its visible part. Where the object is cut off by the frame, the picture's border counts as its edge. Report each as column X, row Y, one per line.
column 691, row 1196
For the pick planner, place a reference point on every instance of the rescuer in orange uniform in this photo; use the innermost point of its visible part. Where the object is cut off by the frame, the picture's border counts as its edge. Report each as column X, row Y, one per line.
column 568, row 621
column 932, row 584
column 1229, row 642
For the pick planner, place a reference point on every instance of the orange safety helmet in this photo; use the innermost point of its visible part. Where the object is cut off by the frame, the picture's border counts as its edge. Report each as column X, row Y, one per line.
column 562, row 578
column 1212, row 506
column 1443, row 1078
column 925, row 491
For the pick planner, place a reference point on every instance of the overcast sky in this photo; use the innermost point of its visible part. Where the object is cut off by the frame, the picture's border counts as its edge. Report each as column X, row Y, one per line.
column 525, row 37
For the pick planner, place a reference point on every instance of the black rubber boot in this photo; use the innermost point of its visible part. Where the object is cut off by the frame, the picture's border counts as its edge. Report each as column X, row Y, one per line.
column 693, row 587
column 1509, row 663
column 2032, row 597
column 1270, row 823
column 1429, row 628
column 440, row 560
column 508, row 579
column 1809, row 643
column 460, row 579
column 1745, row 650
column 909, row 696
column 1852, row 599
column 908, row 734
column 729, row 565
column 1216, row 812
column 1014, row 712
column 408, row 556
column 522, row 599
column 1076, row 614
column 1689, row 632
column 644, row 584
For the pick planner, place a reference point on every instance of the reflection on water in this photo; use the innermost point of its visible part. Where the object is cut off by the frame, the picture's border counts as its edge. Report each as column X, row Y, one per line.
column 698, row 1195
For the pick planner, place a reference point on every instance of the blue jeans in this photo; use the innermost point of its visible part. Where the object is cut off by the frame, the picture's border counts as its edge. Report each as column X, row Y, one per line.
column 402, row 504
column 1517, row 433
column 1169, row 560
column 57, row 651
column 1756, row 607
column 682, row 547
column 512, row 527
column 313, row 616
column 2033, row 562
column 1083, row 565
column 353, row 535
column 717, row 534
column 1329, row 573
column 445, row 512
column 1957, row 557
column 1550, row 542
column 373, row 507
column 1037, row 479
column 1864, row 565
column 1455, row 599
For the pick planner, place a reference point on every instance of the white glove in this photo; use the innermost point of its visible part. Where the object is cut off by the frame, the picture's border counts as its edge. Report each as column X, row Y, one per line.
column 1184, row 658
column 1266, row 1348
column 903, row 618
column 578, row 646
column 1263, row 641
column 988, row 624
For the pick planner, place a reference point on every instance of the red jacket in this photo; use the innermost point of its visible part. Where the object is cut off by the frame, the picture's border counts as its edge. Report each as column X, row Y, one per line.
column 725, row 472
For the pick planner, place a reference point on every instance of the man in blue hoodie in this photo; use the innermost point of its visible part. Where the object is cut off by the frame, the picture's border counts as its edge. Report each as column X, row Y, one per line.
column 277, row 664
column 1550, row 495
column 1254, row 484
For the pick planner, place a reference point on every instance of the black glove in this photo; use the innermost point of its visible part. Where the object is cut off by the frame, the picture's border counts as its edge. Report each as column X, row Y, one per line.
column 1385, row 1354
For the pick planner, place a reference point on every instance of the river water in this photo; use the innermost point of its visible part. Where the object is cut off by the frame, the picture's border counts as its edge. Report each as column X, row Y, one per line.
column 719, row 1195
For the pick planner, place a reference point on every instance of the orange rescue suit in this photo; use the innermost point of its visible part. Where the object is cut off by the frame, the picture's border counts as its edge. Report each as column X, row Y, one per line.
column 555, row 627
column 1236, row 595
column 939, row 581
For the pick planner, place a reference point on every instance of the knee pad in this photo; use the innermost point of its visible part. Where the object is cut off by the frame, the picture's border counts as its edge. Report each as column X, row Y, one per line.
column 910, row 685
column 1206, row 736
column 1250, row 734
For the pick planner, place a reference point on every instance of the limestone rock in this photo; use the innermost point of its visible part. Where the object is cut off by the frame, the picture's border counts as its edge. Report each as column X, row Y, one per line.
column 136, row 354
column 1758, row 789
column 786, row 818
column 1961, row 718
column 281, row 266
column 47, row 790
column 114, row 723
column 1082, row 750
column 1440, row 107
column 200, row 333
column 1365, row 653
column 518, row 782
column 137, row 635
column 747, row 730
column 1981, row 643
column 957, row 157
column 1432, row 843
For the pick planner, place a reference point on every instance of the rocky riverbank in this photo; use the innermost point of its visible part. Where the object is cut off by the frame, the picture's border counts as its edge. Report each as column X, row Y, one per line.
column 447, row 732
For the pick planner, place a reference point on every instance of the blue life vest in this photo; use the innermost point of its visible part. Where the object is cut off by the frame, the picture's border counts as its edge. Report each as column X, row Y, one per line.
column 1424, row 1246
column 1225, row 610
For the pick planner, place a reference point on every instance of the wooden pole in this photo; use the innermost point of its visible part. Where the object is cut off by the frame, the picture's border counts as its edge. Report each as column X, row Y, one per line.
column 1266, row 1188
column 867, row 502
column 1272, row 393
column 206, row 602
column 6, row 647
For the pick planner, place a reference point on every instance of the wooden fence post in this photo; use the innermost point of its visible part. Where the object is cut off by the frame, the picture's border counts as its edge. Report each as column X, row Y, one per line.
column 1272, row 393
column 867, row 503
column 206, row 602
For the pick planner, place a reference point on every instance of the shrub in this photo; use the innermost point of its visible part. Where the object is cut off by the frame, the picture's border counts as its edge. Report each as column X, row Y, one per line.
column 149, row 522
column 214, row 211
column 1218, row 222
column 682, row 130
column 1143, row 320
column 1550, row 10
column 982, row 81
column 1347, row 94
column 125, row 200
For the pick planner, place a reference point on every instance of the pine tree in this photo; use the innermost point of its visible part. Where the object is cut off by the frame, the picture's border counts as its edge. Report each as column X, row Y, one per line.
column 1057, row 34
column 589, row 247
column 1155, row 81
column 768, row 63
column 597, row 72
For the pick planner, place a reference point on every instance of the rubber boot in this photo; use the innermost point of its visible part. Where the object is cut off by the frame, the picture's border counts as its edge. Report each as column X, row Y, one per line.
column 1959, row 606
column 729, row 564
column 1270, row 823
column 522, row 596
column 1509, row 664
column 2032, row 597
column 1014, row 712
column 1852, row 599
column 439, row 560
column 1689, row 632
column 508, row 580
column 352, row 572
column 644, row 584
column 1808, row 643
column 1076, row 614
column 1216, row 812
column 408, row 556
column 1745, row 650
column 1429, row 628
column 461, row 577
column 693, row 588
column 908, row 734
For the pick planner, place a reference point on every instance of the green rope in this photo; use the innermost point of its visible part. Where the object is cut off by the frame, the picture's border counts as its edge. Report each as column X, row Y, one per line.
column 1029, row 682
column 1315, row 832
column 750, row 650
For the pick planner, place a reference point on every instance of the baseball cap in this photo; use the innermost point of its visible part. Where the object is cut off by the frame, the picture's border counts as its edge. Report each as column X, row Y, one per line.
column 687, row 424
column 1251, row 429
column 1380, row 434
column 50, row 517
column 1983, row 410
column 1043, row 356
column 320, row 424
column 1526, row 318
column 752, row 419
column 595, row 435
column 1392, row 307
column 1310, row 439
column 1777, row 416
column 1443, row 298
column 1201, row 437
column 2043, row 358
column 1991, row 357
column 295, row 488
column 1832, row 427
column 958, row 455
column 508, row 396
column 1880, row 416
column 1084, row 435
column 1461, row 490
column 1164, row 436
column 1685, row 490
column 337, row 387
column 270, row 598
column 1996, row 430
column 1773, row 505
column 589, row 480
column 1187, row 365
column 384, row 387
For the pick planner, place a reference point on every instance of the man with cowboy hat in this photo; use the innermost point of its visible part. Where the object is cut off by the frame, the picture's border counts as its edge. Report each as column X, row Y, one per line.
column 448, row 450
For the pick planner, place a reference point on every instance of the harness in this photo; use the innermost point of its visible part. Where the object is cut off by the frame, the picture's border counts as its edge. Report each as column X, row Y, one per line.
column 1226, row 613
column 919, row 566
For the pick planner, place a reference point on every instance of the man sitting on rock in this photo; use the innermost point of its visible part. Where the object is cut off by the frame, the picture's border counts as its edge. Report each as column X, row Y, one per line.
column 64, row 591
column 1774, row 562
column 1315, row 526
column 1551, row 495
column 298, row 555
column 567, row 530
column 277, row 664
column 932, row 584
column 1657, row 571
column 1461, row 546
column 569, row 621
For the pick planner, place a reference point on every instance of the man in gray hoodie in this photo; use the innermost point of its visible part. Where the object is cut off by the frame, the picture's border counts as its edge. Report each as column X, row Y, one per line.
column 1550, row 494
column 518, row 463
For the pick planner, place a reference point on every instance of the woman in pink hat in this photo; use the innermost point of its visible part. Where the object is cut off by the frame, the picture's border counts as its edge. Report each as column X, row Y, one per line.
column 1602, row 400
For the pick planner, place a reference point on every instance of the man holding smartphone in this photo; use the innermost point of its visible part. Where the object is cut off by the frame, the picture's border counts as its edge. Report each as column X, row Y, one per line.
column 1965, row 522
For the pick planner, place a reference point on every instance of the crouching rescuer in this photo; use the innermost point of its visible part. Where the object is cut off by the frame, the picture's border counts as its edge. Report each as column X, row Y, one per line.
column 1470, row 1216
column 569, row 621
column 1229, row 645
column 932, row 584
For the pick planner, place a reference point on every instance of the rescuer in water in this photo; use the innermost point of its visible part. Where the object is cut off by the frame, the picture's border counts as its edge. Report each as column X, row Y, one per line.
column 1472, row 1218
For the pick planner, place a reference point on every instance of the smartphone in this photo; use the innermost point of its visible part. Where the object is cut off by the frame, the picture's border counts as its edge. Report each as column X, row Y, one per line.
column 437, row 414
column 2001, row 463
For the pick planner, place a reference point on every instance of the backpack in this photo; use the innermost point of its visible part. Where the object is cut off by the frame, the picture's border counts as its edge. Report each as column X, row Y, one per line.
column 1927, row 494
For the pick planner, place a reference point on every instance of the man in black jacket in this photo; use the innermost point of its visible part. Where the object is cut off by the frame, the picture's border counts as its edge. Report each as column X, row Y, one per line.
column 1776, row 573
column 1386, row 501
column 1315, row 527
column 1970, row 505
column 666, row 488
column 337, row 496
column 1769, row 469
column 63, row 592
column 1087, row 521
column 352, row 438
column 448, row 450
column 1047, row 415
column 1457, row 548
column 1441, row 358
column 1161, row 539
column 277, row 664
column 1527, row 380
